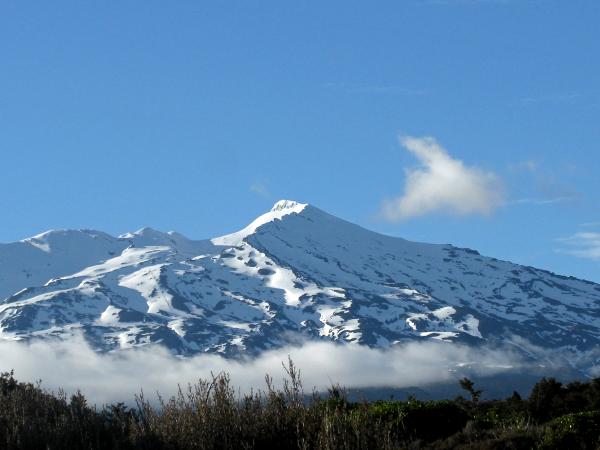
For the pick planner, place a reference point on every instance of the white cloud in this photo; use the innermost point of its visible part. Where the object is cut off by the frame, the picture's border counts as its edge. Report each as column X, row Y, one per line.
column 590, row 224
column 388, row 89
column 539, row 185
column 444, row 184
column 464, row 2
column 542, row 201
column 119, row 376
column 530, row 165
column 585, row 244
column 260, row 188
column 557, row 97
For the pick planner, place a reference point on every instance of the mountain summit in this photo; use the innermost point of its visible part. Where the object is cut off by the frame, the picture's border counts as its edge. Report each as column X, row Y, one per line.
column 294, row 271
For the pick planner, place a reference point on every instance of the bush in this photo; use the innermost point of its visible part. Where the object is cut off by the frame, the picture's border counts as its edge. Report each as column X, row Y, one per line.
column 577, row 430
column 427, row 421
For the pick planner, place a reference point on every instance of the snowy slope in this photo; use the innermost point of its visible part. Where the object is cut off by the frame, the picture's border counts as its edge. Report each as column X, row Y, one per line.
column 295, row 271
column 34, row 261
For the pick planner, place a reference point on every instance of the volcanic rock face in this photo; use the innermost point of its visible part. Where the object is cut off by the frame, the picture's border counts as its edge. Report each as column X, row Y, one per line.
column 296, row 272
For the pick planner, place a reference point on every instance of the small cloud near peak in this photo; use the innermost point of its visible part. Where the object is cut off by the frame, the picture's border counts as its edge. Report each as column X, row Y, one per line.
column 260, row 188
column 443, row 184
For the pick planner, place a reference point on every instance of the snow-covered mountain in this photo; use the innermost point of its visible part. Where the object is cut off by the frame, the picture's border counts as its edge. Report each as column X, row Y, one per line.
column 295, row 271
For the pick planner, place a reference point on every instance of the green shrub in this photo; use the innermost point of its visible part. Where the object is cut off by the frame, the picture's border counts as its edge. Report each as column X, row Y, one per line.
column 577, row 430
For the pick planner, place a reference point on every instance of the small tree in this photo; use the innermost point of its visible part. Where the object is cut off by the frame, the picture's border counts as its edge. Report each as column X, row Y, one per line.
column 547, row 399
column 469, row 386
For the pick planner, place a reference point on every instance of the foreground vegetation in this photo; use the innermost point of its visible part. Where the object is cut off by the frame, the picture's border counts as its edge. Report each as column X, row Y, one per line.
column 209, row 415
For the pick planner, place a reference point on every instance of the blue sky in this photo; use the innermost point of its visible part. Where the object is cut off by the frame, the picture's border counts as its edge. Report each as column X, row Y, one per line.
column 197, row 116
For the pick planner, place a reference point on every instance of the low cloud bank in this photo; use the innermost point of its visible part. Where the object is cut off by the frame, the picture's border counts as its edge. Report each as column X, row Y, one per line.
column 112, row 377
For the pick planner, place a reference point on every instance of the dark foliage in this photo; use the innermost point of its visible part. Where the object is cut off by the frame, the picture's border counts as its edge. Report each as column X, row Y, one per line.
column 32, row 418
column 550, row 399
column 469, row 386
column 209, row 415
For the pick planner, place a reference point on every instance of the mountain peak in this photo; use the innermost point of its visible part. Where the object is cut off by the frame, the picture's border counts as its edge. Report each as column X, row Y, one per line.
column 280, row 209
column 58, row 238
column 143, row 232
column 286, row 204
